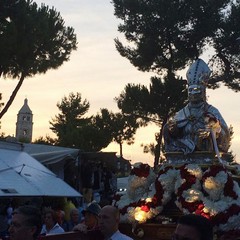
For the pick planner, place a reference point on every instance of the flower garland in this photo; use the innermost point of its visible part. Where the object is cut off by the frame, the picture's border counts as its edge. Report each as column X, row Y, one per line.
column 164, row 184
column 217, row 197
column 139, row 201
column 211, row 193
column 188, row 195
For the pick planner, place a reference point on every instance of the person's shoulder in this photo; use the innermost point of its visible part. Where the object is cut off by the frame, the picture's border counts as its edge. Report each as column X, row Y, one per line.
column 43, row 230
column 120, row 236
column 125, row 237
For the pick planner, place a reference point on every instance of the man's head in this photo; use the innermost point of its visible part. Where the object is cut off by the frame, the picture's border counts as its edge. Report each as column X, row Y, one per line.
column 50, row 218
column 26, row 223
column 74, row 215
column 193, row 227
column 91, row 214
column 109, row 220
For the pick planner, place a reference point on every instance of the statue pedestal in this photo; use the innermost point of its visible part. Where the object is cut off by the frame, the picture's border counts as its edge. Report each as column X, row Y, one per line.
column 178, row 158
column 197, row 157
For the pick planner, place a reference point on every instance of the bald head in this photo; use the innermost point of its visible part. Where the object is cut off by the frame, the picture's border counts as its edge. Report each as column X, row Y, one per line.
column 109, row 220
column 112, row 210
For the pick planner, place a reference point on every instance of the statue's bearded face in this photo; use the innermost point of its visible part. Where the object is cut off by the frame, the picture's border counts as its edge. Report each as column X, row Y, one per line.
column 196, row 93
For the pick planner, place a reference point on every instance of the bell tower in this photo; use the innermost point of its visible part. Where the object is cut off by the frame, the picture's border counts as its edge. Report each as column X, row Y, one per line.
column 24, row 125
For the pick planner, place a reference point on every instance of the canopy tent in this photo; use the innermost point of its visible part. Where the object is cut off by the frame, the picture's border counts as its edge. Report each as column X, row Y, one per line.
column 22, row 175
column 47, row 154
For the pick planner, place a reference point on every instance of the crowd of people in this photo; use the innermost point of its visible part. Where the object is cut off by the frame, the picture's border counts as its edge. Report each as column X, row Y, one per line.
column 102, row 223
column 59, row 215
column 98, row 223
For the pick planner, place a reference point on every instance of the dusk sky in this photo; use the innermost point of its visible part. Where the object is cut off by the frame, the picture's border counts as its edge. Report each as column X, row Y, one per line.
column 99, row 73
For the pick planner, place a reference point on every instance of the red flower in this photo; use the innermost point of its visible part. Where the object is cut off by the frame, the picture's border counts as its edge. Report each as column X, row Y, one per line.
column 145, row 208
column 213, row 171
column 228, row 188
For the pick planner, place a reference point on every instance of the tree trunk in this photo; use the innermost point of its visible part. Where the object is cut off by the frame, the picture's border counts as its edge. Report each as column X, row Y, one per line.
column 121, row 154
column 12, row 97
column 159, row 145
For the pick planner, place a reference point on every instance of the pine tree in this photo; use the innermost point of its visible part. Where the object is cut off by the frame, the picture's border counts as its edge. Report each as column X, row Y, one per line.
column 32, row 40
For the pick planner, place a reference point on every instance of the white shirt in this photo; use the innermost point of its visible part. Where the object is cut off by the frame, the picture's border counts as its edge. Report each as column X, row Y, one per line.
column 119, row 236
column 55, row 230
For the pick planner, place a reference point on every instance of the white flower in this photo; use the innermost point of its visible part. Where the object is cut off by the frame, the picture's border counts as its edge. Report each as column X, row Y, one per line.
column 137, row 214
column 139, row 186
column 195, row 170
column 214, row 186
column 192, row 195
column 178, row 183
column 167, row 181
column 213, row 208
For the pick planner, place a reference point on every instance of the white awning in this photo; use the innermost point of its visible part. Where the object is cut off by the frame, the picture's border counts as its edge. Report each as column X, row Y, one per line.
column 47, row 154
column 22, row 175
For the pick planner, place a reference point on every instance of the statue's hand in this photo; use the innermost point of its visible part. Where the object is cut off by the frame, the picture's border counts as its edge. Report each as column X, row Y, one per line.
column 216, row 126
column 212, row 123
column 203, row 133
